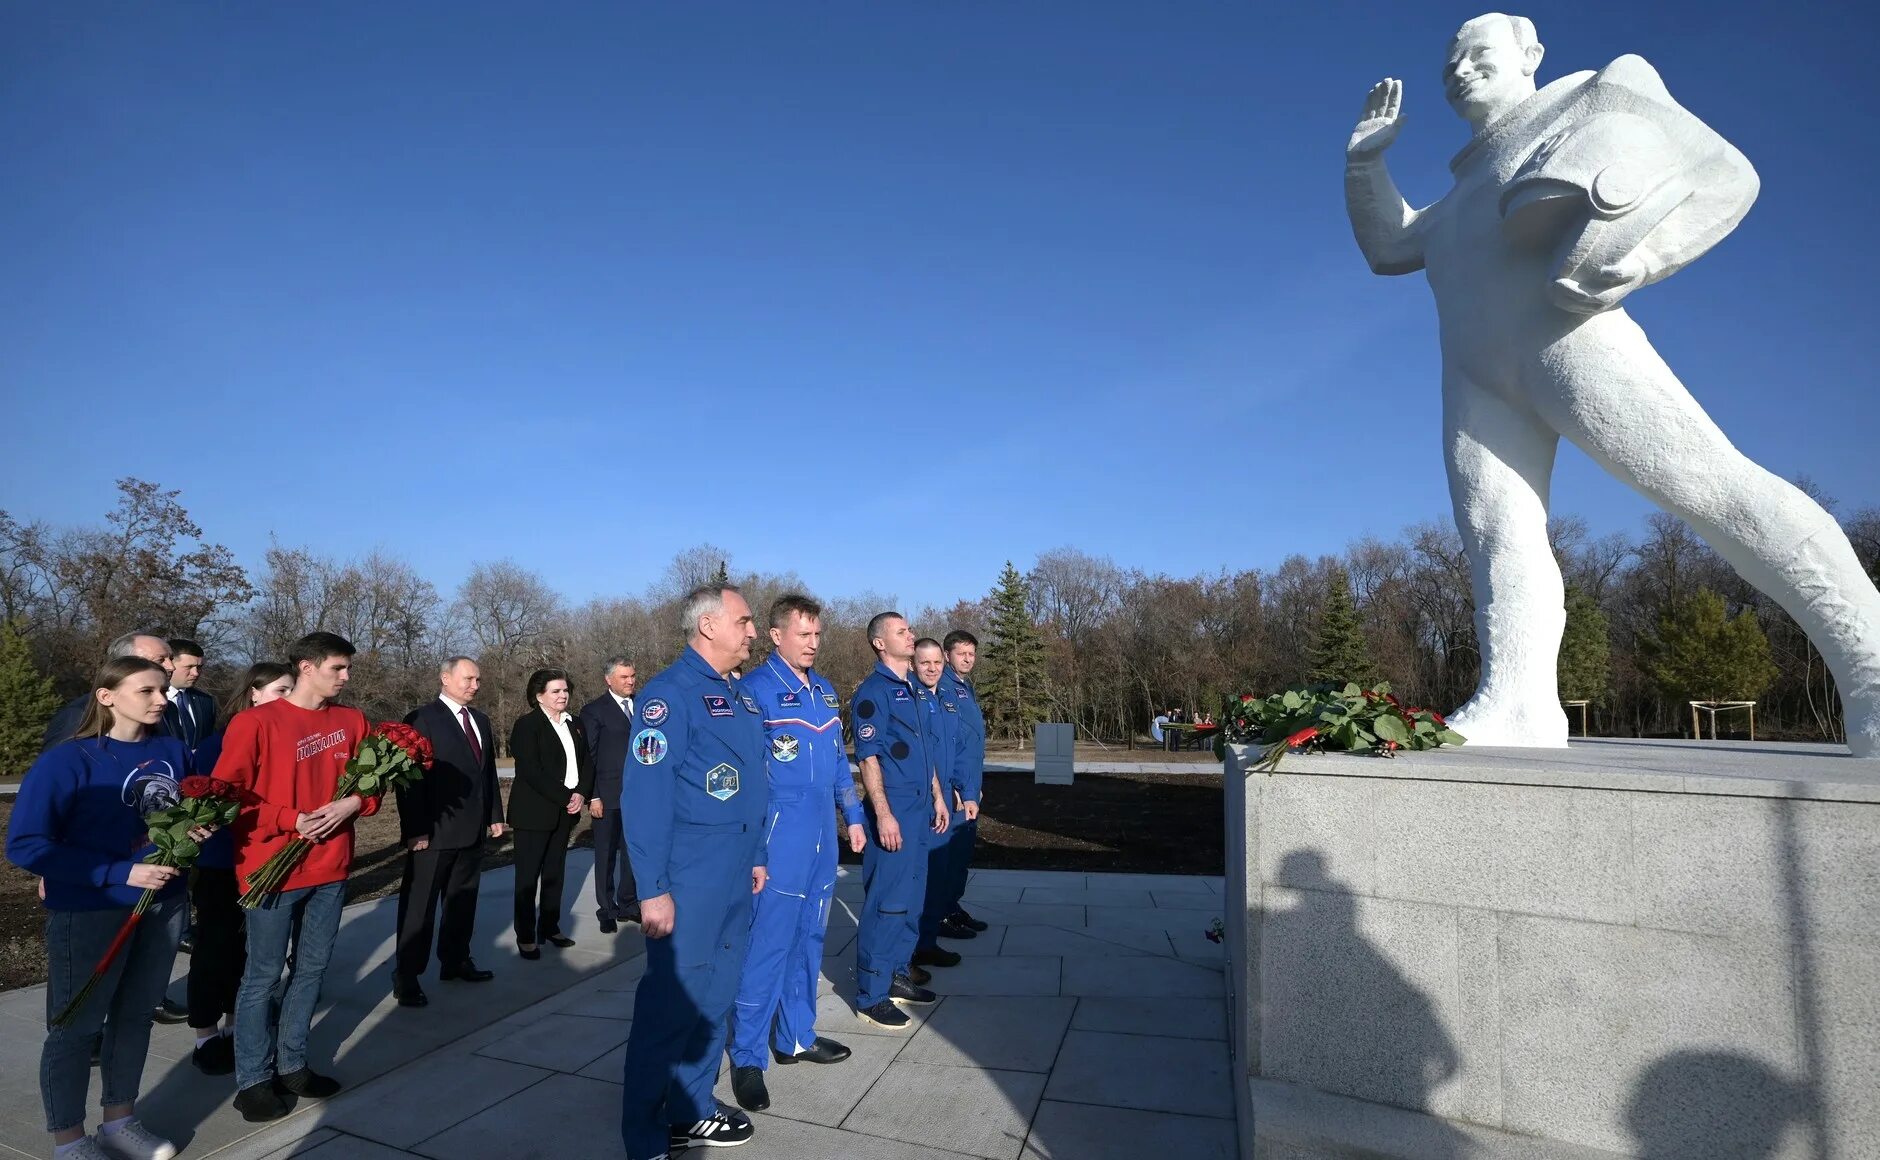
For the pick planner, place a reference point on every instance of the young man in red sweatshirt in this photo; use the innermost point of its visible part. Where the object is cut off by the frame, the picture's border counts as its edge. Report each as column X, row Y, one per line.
column 289, row 755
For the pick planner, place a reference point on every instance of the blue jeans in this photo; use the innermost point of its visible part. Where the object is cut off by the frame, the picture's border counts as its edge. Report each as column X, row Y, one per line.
column 120, row 1005
column 259, row 1055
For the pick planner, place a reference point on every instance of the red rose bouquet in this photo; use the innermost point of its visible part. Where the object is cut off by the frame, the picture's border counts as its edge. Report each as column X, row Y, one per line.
column 206, row 806
column 392, row 755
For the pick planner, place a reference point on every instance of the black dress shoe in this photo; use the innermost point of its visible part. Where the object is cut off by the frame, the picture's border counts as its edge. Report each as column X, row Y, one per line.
column 260, row 1102
column 466, row 972
column 917, row 974
column 216, row 1057
column 170, row 1011
column 955, row 930
column 307, row 1082
column 935, row 957
column 407, row 992
column 821, row 1051
column 187, row 945
column 531, row 955
column 560, row 940
column 608, row 925
column 747, row 1084
column 961, row 918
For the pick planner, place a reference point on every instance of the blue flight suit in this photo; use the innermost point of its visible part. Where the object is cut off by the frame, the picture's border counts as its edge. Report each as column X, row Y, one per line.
column 808, row 770
column 693, row 803
column 943, row 718
column 888, row 719
column 969, row 775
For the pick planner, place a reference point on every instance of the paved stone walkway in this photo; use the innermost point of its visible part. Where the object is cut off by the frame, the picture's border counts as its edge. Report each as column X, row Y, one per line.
column 1087, row 1024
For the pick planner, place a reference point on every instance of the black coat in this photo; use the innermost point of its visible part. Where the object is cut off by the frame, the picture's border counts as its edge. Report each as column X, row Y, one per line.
column 456, row 801
column 201, row 727
column 539, row 798
column 609, row 730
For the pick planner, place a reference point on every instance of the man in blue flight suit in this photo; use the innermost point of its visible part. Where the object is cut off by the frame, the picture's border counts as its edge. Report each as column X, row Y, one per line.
column 808, row 769
column 693, row 805
column 944, row 740
column 962, row 649
column 903, row 787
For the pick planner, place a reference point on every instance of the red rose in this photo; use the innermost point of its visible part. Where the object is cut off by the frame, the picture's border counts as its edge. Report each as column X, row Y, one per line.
column 1439, row 718
column 415, row 744
column 1246, row 698
column 1301, row 737
column 200, row 787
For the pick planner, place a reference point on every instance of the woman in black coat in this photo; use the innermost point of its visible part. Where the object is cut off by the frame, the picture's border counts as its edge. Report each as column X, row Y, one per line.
column 554, row 777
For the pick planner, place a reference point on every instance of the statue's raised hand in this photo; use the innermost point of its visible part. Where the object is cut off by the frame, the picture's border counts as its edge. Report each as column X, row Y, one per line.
column 1378, row 124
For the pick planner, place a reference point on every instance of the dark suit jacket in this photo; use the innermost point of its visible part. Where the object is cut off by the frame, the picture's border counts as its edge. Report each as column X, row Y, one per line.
column 539, row 798
column 456, row 800
column 609, row 732
column 202, row 718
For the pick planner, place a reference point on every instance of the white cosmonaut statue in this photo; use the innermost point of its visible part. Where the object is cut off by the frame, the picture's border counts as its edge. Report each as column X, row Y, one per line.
column 1565, row 201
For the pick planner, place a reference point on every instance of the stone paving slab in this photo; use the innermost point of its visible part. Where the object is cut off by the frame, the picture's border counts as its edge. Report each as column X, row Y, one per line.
column 823, row 1093
column 1064, row 1131
column 1152, row 1072
column 999, row 975
column 976, row 1111
column 1001, row 1032
column 1180, row 1018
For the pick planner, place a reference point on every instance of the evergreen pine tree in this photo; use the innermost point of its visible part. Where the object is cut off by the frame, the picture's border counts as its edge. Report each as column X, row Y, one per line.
column 1010, row 680
column 27, row 702
column 723, row 575
column 1584, row 666
column 1699, row 653
column 1340, row 653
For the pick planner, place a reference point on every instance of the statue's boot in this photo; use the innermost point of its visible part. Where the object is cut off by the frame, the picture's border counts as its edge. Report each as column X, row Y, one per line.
column 1518, row 700
column 1834, row 600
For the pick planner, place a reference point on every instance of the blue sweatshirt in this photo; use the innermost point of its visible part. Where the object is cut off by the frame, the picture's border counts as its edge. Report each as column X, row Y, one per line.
column 79, row 819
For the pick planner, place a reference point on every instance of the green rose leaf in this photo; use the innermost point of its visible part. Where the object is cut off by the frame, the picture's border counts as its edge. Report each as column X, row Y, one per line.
column 185, row 851
column 1389, row 728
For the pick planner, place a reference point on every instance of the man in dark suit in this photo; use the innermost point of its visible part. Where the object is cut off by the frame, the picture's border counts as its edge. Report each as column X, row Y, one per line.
column 147, row 645
column 608, row 721
column 443, row 818
column 191, row 712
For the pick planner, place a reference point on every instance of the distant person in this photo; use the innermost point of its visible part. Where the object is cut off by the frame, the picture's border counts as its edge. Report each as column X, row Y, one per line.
column 905, row 805
column 191, row 714
column 941, row 717
column 220, row 951
column 608, row 720
column 148, row 645
column 967, row 785
column 443, row 818
column 287, row 756
column 78, row 823
column 554, row 777
column 807, row 769
column 694, row 806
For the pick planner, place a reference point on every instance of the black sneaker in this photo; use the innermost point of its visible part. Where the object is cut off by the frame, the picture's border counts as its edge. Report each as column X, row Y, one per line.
column 956, row 930
column 307, row 1082
column 907, row 991
column 260, row 1102
column 884, row 1014
column 961, row 918
column 216, row 1057
column 935, row 957
column 723, row 1130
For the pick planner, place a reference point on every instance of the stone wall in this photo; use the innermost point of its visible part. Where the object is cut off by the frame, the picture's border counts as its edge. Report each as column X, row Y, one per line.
column 1653, row 949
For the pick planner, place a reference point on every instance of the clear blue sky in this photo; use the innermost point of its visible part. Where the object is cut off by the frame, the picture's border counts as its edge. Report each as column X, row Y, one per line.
column 884, row 293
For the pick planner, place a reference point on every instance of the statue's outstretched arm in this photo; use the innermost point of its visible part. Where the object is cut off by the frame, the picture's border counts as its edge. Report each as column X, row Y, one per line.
column 1381, row 219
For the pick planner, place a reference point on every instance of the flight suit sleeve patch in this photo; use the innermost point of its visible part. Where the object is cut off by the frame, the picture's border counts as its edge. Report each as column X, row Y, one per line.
column 865, row 709
column 653, row 712
column 721, row 781
column 649, row 747
column 899, row 750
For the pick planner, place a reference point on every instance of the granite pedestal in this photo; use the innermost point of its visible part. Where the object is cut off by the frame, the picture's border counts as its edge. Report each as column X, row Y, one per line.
column 1627, row 948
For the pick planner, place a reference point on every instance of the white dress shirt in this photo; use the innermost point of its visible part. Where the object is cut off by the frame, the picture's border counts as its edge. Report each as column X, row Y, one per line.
column 457, row 715
column 569, row 779
column 625, row 703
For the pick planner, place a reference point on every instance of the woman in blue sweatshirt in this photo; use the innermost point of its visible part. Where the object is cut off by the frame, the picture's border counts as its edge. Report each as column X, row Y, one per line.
column 78, row 823
column 215, row 967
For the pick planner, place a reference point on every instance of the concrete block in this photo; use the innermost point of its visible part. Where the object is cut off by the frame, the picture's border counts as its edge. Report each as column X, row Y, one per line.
column 564, row 1116
column 1478, row 1015
column 1077, row 1132
column 823, row 1093
column 1757, row 866
column 998, row 1032
column 1844, row 1012
column 980, row 1113
column 1330, row 816
column 1129, row 977
column 1054, row 940
column 1587, row 1009
column 414, row 1103
column 559, row 1042
column 1361, row 996
column 1177, row 1018
column 1526, row 849
column 1150, row 1072
column 999, row 975
column 1298, row 1122
column 1072, row 896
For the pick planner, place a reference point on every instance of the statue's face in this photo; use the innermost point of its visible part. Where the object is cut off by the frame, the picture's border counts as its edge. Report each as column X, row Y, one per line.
column 1488, row 71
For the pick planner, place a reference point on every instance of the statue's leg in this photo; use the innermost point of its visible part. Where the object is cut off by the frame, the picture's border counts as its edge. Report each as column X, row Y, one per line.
column 1605, row 388
column 1500, row 459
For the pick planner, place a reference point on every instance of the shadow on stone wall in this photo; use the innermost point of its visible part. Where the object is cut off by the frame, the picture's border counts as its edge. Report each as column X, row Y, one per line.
column 1713, row 1105
column 1352, row 1023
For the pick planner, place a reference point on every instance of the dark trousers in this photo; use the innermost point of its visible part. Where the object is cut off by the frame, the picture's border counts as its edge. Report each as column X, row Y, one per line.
column 215, row 969
column 610, row 858
column 431, row 874
column 541, row 856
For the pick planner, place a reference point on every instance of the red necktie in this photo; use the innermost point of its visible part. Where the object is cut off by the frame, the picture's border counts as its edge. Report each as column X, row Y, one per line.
column 470, row 731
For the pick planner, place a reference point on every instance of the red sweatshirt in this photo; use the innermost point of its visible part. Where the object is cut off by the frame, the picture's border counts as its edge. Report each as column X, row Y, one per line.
column 292, row 759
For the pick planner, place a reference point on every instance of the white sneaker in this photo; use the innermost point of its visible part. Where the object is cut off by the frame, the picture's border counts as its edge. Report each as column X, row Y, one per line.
column 135, row 1142
column 85, row 1148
